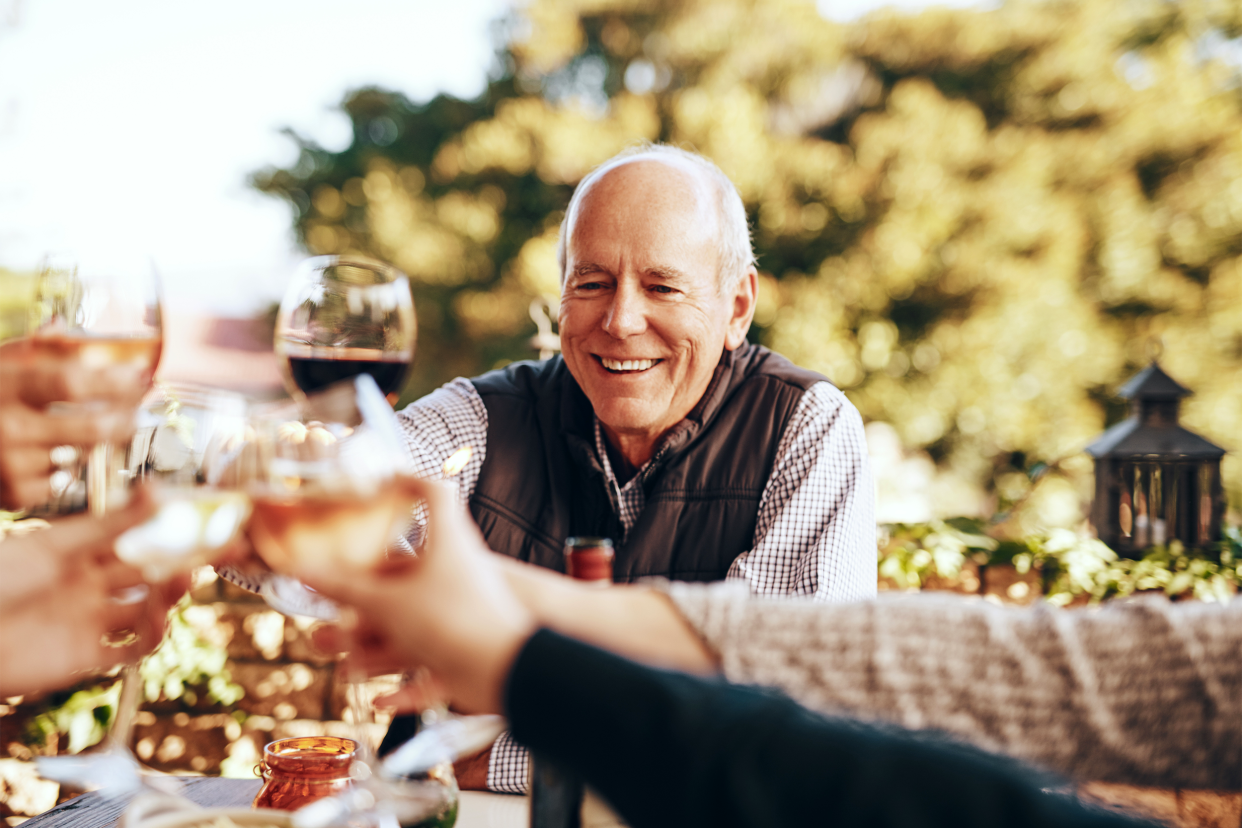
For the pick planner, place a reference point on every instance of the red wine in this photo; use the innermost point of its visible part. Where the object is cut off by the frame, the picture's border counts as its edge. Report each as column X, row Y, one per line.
column 313, row 373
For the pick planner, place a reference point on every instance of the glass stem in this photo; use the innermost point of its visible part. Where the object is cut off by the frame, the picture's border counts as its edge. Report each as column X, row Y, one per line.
column 97, row 478
column 122, row 729
column 359, row 708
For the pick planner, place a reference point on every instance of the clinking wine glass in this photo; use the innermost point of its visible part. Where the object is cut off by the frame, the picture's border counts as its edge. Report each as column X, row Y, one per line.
column 324, row 494
column 188, row 446
column 104, row 315
column 343, row 316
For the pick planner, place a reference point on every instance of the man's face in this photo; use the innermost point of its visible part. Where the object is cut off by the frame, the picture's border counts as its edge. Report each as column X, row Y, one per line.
column 643, row 321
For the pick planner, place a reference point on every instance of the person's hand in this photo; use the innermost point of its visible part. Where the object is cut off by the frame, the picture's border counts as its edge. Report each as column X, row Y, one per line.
column 36, row 562
column 31, row 380
column 447, row 609
column 45, row 643
column 63, row 597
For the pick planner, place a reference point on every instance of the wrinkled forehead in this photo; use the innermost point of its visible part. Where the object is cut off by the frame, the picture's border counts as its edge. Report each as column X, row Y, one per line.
column 670, row 186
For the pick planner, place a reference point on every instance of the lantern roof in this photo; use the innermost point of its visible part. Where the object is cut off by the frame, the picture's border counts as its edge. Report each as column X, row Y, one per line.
column 1132, row 438
column 1152, row 383
column 1145, row 435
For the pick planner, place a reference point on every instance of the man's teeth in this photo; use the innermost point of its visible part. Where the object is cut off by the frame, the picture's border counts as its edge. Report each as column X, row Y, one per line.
column 627, row 364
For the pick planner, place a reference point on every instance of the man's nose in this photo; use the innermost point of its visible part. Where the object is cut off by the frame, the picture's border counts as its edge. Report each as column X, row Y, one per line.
column 626, row 315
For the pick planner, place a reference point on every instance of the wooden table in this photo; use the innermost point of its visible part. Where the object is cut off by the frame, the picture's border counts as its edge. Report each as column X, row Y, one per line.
column 478, row 809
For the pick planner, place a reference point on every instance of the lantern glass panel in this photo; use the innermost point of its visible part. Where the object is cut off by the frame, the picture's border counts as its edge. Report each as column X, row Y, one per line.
column 1205, row 503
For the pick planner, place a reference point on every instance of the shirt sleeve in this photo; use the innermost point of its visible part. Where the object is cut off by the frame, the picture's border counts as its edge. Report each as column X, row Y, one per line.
column 668, row 749
column 1071, row 690
column 436, row 427
column 815, row 532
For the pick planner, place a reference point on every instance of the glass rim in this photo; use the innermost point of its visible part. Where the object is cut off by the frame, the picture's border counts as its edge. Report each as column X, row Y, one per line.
column 318, row 264
column 587, row 542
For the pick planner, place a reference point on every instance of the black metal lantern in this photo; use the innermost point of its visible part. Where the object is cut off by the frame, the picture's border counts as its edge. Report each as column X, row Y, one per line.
column 1155, row 482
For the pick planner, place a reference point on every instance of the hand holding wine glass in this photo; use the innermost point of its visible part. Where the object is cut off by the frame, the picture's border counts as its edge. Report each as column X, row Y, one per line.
column 101, row 410
column 100, row 316
column 186, row 446
column 344, row 316
column 455, row 591
column 327, row 495
column 56, row 601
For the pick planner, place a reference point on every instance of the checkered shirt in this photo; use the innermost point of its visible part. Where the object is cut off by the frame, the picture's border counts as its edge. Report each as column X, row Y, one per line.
column 814, row 536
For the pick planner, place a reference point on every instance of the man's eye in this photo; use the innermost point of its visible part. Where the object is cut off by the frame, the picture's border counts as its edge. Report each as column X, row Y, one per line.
column 590, row 286
column 662, row 289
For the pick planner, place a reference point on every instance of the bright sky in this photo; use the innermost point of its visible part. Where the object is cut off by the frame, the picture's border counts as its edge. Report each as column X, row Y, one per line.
column 131, row 125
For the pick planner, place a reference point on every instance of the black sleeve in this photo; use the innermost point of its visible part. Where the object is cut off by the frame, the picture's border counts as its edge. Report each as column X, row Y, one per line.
column 667, row 749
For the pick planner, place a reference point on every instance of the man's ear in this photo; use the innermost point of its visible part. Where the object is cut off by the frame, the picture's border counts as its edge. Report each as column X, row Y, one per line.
column 743, row 305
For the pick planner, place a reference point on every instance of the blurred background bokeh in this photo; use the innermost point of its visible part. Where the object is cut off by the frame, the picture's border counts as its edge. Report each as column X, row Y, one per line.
column 978, row 221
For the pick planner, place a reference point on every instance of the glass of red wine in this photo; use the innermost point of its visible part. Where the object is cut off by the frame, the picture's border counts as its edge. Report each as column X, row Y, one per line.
column 342, row 316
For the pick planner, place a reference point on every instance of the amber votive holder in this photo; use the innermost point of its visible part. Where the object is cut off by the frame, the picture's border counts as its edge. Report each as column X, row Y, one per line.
column 299, row 771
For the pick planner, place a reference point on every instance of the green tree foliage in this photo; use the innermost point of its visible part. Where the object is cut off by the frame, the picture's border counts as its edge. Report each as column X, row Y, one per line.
column 17, row 291
column 975, row 222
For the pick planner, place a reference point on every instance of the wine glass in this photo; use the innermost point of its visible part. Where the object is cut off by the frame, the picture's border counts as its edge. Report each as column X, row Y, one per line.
column 101, row 314
column 321, row 490
column 189, row 442
column 325, row 494
column 343, row 316
column 188, row 447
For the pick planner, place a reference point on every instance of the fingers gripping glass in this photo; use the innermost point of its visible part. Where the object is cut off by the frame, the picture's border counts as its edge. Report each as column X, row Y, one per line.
column 323, row 483
column 100, row 316
column 184, row 448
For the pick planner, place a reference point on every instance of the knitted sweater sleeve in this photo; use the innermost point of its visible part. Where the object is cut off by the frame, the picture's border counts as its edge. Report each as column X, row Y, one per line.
column 1144, row 692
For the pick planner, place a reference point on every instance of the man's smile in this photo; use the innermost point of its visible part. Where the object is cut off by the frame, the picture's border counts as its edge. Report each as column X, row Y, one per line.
column 626, row 366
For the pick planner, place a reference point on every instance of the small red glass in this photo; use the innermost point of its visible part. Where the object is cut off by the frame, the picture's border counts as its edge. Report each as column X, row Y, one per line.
column 299, row 771
column 590, row 560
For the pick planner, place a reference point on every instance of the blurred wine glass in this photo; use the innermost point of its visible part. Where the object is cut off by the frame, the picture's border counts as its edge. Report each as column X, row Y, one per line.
column 188, row 448
column 188, row 442
column 101, row 315
column 325, row 494
column 343, row 316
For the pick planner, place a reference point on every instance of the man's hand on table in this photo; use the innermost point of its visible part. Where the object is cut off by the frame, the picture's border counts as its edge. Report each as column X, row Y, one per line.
column 471, row 772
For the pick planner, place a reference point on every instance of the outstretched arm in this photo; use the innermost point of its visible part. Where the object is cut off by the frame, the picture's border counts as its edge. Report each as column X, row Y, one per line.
column 667, row 749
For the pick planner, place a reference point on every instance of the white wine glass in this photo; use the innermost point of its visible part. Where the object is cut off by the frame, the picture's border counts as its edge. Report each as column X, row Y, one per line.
column 326, row 496
column 104, row 315
column 187, row 449
column 342, row 316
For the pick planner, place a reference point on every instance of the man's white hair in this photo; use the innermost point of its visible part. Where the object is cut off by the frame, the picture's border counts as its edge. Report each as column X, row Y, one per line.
column 732, row 231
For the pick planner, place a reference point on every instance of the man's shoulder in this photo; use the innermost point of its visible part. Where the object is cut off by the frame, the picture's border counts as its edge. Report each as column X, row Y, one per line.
column 759, row 364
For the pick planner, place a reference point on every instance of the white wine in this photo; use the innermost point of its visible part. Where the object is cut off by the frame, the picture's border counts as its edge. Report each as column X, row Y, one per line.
column 192, row 526
column 327, row 530
column 100, row 351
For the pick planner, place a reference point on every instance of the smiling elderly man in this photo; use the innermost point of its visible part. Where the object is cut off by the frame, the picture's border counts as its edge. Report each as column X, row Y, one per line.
column 702, row 456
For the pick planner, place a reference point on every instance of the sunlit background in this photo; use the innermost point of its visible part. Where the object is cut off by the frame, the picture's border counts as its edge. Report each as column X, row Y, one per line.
column 135, row 124
column 978, row 221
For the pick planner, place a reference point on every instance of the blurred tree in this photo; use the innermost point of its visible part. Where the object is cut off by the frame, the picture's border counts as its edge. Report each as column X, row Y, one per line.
column 17, row 292
column 975, row 222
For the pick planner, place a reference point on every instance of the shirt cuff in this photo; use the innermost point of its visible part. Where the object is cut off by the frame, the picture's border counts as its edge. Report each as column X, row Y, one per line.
column 508, row 769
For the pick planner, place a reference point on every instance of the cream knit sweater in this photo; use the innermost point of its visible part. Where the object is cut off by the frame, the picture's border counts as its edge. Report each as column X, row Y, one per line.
column 1143, row 692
